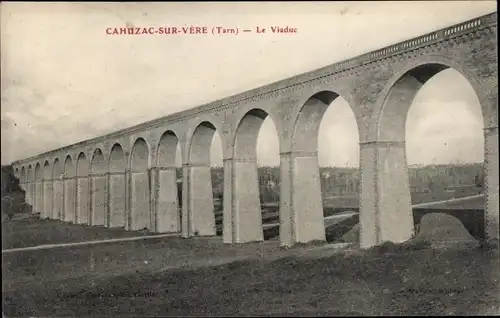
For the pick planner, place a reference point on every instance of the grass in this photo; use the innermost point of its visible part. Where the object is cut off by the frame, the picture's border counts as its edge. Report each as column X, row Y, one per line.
column 387, row 280
column 203, row 276
column 32, row 231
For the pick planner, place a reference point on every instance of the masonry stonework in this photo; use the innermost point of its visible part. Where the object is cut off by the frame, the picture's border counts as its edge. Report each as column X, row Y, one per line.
column 132, row 180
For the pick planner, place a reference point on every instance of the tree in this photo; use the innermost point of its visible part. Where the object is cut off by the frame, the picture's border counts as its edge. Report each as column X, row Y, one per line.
column 12, row 195
column 479, row 179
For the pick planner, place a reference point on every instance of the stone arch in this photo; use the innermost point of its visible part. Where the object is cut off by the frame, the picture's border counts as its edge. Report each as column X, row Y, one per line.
column 394, row 203
column 38, row 172
column 58, row 189
column 47, row 190
column 82, row 189
column 30, row 174
column 22, row 176
column 117, row 186
column 98, row 165
column 200, row 192
column 47, row 172
column 168, row 216
column 69, row 169
column 82, row 165
column 98, row 184
column 38, row 206
column 405, row 84
column 267, row 112
column 246, row 192
column 201, row 141
column 69, row 190
column 212, row 122
column 306, row 193
column 307, row 122
column 140, row 158
column 247, row 131
column 117, row 160
column 30, row 189
column 140, row 196
column 167, row 149
column 57, row 169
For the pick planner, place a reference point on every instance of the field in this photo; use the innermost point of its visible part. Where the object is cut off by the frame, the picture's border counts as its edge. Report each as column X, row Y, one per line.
column 172, row 276
column 31, row 231
column 201, row 276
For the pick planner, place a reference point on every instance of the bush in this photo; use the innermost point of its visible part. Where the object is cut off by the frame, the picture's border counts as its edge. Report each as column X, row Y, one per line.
column 390, row 247
column 13, row 201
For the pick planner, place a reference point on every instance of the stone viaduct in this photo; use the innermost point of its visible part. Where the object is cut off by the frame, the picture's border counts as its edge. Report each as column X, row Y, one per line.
column 127, row 178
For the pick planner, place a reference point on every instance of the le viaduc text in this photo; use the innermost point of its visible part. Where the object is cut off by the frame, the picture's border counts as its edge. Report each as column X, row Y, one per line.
column 193, row 30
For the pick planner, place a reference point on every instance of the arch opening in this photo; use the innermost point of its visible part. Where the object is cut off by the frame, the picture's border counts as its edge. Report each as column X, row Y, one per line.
column 38, row 172
column 117, row 190
column 57, row 172
column 58, row 190
column 47, row 191
column 22, row 177
column 117, row 161
column 30, row 176
column 434, row 156
column 30, row 189
column 256, row 178
column 169, row 173
column 38, row 206
column 325, row 162
column 98, row 183
column 141, row 217
column 445, row 154
column 69, row 214
column 206, row 182
column 47, row 173
column 82, row 166
column 140, row 156
column 82, row 189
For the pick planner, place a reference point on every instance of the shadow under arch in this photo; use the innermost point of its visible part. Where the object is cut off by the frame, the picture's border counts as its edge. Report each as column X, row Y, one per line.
column 38, row 172
column 98, row 189
column 393, row 203
column 306, row 210
column 57, row 170
column 139, row 160
column 47, row 173
column 47, row 190
column 38, row 206
column 30, row 187
column 141, row 216
column 30, row 176
column 22, row 177
column 117, row 165
column 246, row 196
column 82, row 189
column 200, row 218
column 69, row 190
column 58, row 189
column 168, row 214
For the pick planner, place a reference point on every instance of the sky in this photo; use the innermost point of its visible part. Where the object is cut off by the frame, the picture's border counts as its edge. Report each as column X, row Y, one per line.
column 64, row 80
